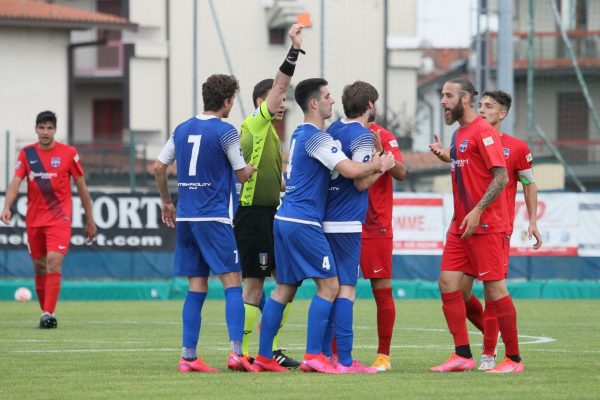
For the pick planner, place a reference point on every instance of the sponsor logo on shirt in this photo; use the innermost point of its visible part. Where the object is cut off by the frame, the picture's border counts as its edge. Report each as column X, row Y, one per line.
column 42, row 175
column 506, row 152
column 488, row 141
column 194, row 185
column 55, row 162
column 529, row 157
column 463, row 145
column 458, row 163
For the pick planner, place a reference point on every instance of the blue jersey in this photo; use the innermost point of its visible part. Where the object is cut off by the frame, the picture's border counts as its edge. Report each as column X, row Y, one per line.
column 207, row 150
column 313, row 155
column 346, row 206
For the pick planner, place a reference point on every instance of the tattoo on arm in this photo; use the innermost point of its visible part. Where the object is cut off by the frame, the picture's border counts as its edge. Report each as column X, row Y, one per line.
column 496, row 186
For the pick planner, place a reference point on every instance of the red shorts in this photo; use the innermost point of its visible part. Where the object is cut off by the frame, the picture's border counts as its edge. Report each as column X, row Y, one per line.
column 482, row 256
column 43, row 239
column 376, row 258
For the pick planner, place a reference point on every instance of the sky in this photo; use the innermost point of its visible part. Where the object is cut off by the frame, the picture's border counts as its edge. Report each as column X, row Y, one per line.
column 432, row 17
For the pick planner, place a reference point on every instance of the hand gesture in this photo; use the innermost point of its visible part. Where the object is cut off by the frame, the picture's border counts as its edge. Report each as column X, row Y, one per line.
column 377, row 140
column 295, row 35
column 436, row 147
column 387, row 162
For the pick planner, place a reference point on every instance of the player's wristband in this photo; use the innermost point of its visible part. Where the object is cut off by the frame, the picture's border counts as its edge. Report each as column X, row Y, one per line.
column 287, row 68
column 293, row 54
column 166, row 203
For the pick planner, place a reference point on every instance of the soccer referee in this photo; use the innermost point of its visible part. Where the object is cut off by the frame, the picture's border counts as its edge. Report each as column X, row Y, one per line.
column 260, row 195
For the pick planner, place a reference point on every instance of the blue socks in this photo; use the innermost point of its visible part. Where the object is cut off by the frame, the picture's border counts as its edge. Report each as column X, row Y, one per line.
column 269, row 325
column 234, row 313
column 342, row 319
column 318, row 318
column 190, row 315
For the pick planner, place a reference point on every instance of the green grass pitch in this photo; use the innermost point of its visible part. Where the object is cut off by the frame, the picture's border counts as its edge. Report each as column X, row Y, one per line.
column 129, row 350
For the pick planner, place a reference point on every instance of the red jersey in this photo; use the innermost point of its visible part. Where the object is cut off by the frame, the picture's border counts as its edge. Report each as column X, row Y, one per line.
column 378, row 223
column 48, row 174
column 474, row 151
column 518, row 158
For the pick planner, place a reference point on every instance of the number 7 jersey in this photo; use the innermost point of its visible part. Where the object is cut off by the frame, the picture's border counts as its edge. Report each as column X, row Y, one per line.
column 207, row 150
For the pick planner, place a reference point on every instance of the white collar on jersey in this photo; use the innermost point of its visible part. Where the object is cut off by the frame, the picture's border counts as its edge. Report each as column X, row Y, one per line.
column 308, row 123
column 205, row 117
column 346, row 122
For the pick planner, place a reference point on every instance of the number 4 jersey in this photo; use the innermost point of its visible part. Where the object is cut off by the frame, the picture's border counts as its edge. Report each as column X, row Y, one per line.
column 207, row 150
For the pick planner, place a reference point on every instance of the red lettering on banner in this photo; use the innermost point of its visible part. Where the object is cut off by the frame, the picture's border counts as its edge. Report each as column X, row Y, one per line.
column 410, row 223
column 520, row 206
column 418, row 201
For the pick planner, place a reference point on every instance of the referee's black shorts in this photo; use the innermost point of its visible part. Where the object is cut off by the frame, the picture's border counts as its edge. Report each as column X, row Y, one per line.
column 253, row 227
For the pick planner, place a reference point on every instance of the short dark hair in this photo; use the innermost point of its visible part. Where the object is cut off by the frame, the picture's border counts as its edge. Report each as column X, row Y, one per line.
column 217, row 89
column 307, row 90
column 356, row 98
column 261, row 89
column 45, row 116
column 500, row 96
column 466, row 86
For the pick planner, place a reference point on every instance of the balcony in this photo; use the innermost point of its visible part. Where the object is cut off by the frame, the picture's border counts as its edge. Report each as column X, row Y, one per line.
column 549, row 50
column 100, row 61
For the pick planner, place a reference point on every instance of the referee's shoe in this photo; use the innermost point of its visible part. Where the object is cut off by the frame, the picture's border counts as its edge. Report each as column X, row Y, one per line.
column 284, row 360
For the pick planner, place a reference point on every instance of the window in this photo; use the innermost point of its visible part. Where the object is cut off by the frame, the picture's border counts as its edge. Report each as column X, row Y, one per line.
column 108, row 121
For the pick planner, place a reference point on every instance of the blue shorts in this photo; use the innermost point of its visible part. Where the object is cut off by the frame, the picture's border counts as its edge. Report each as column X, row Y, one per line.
column 301, row 252
column 204, row 247
column 346, row 251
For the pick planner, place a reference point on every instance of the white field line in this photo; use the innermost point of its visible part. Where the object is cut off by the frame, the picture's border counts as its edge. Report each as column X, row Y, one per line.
column 533, row 340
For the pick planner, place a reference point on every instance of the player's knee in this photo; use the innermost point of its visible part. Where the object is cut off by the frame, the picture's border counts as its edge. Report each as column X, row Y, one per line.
column 495, row 290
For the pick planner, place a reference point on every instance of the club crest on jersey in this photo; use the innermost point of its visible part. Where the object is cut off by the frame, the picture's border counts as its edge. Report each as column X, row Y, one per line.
column 334, row 150
column 506, row 152
column 263, row 260
column 55, row 162
column 463, row 145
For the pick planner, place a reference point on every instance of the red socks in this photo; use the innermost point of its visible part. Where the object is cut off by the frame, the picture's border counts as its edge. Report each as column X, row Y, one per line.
column 455, row 313
column 507, row 323
column 386, row 316
column 52, row 291
column 490, row 332
column 40, row 289
column 475, row 312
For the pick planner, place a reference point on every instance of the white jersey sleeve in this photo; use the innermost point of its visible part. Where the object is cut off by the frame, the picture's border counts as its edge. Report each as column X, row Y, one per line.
column 322, row 147
column 167, row 154
column 362, row 148
column 230, row 142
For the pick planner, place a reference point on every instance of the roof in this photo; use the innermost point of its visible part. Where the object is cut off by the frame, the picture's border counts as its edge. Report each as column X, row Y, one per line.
column 39, row 14
column 443, row 61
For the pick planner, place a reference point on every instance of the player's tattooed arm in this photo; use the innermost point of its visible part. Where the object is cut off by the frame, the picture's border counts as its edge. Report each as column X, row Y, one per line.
column 496, row 186
column 471, row 220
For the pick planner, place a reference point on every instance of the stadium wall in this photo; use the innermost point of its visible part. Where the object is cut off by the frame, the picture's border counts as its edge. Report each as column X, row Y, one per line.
column 133, row 244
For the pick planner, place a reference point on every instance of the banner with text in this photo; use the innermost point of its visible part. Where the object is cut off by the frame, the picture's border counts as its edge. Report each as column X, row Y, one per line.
column 126, row 222
column 417, row 222
column 557, row 221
